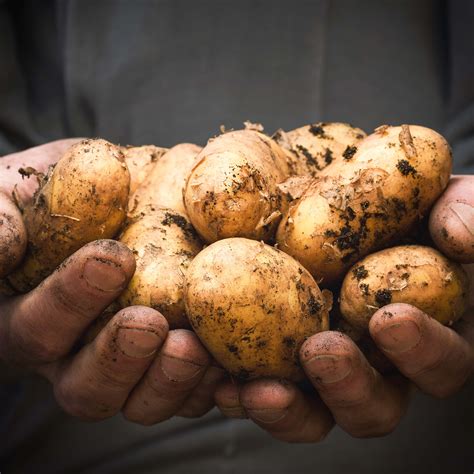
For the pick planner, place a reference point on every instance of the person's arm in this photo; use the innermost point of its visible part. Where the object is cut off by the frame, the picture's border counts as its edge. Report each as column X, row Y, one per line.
column 135, row 365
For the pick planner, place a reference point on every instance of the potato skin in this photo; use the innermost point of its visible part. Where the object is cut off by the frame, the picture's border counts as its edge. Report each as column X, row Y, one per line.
column 253, row 306
column 140, row 161
column 412, row 274
column 362, row 203
column 314, row 147
column 164, row 184
column 164, row 243
column 231, row 191
column 83, row 198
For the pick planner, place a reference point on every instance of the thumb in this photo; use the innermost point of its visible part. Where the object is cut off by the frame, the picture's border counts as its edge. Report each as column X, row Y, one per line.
column 39, row 158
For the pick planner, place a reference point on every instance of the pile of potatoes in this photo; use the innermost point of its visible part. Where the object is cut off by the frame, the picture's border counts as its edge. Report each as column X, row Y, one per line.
column 247, row 239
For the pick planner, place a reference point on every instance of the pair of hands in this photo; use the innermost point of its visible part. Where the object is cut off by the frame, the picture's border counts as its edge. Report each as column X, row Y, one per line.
column 139, row 367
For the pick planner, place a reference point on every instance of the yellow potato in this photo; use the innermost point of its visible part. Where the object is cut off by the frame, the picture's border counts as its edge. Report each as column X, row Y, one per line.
column 314, row 147
column 83, row 198
column 410, row 274
column 164, row 243
column 253, row 306
column 232, row 189
column 362, row 203
column 140, row 161
column 165, row 182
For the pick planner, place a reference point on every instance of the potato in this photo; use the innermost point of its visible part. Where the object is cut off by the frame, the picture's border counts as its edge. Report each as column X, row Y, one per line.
column 140, row 161
column 232, row 189
column 83, row 198
column 411, row 274
column 314, row 147
column 164, row 185
column 253, row 306
column 164, row 244
column 362, row 203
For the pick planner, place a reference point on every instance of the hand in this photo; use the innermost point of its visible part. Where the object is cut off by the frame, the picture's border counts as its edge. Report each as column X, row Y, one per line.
column 134, row 365
column 438, row 360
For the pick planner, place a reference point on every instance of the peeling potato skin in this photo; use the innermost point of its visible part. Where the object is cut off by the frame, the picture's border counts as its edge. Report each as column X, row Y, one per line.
column 361, row 204
column 314, row 147
column 412, row 274
column 164, row 244
column 232, row 189
column 83, row 198
column 165, row 182
column 253, row 306
column 140, row 161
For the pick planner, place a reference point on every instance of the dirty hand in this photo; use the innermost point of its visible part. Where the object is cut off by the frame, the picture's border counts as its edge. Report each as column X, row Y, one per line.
column 438, row 360
column 135, row 365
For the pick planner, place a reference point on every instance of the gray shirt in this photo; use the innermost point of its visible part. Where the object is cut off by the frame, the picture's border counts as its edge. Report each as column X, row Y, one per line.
column 168, row 71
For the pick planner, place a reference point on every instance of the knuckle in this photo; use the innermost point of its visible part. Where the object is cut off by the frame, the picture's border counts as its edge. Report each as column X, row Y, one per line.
column 40, row 349
column 79, row 405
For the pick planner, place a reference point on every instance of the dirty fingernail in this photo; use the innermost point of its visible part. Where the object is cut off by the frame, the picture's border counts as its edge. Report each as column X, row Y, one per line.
column 137, row 343
column 329, row 368
column 104, row 275
column 179, row 370
column 268, row 415
column 465, row 214
column 399, row 337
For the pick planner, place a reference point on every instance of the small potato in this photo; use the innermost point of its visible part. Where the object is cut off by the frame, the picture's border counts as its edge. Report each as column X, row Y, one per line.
column 362, row 203
column 165, row 182
column 232, row 189
column 140, row 161
column 314, row 147
column 83, row 198
column 410, row 274
column 253, row 306
column 164, row 243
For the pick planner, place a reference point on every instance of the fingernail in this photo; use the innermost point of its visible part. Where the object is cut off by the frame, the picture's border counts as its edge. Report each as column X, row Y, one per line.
column 234, row 412
column 104, row 275
column 268, row 415
column 329, row 368
column 399, row 337
column 137, row 343
column 179, row 370
column 465, row 213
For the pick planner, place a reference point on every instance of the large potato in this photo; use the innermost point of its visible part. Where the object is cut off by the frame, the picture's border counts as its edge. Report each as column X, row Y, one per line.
column 253, row 306
column 314, row 147
column 164, row 243
column 140, row 161
column 83, row 198
column 232, row 189
column 164, row 184
column 362, row 203
column 410, row 274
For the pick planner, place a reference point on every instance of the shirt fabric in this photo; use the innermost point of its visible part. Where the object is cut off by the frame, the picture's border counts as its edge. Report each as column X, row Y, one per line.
column 170, row 71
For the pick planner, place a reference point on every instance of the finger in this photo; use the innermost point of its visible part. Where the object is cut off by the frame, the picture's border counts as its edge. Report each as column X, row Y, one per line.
column 282, row 410
column 452, row 220
column 43, row 325
column 174, row 374
column 12, row 236
column 95, row 383
column 363, row 403
column 227, row 399
column 38, row 158
column 201, row 399
column 434, row 357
